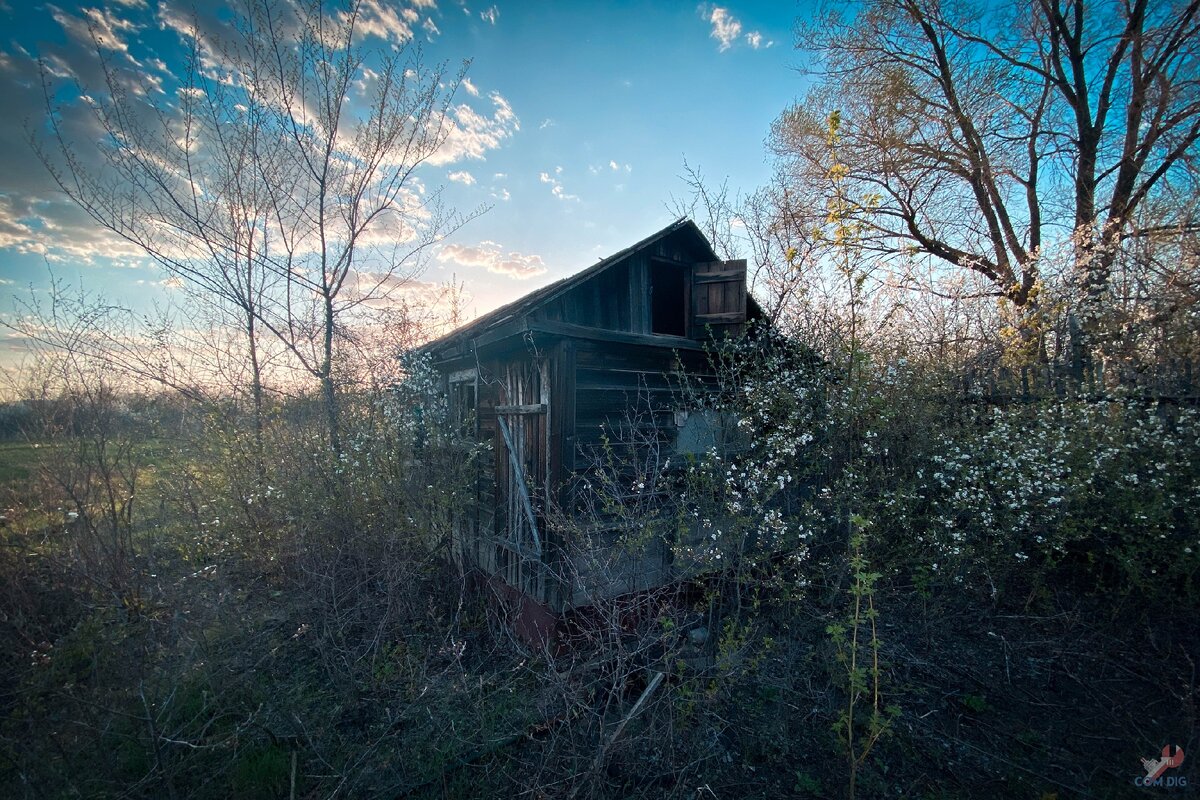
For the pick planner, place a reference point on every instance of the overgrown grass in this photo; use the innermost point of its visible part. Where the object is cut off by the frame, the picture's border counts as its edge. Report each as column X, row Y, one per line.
column 277, row 625
column 17, row 462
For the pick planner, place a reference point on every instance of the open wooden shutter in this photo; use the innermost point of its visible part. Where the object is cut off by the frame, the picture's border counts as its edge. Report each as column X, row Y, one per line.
column 719, row 297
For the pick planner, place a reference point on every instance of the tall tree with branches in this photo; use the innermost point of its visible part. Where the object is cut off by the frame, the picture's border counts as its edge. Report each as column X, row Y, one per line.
column 280, row 186
column 989, row 136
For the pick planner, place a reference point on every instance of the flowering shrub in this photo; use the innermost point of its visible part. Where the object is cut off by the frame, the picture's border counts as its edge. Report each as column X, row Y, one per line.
column 995, row 497
column 744, row 495
column 1109, row 485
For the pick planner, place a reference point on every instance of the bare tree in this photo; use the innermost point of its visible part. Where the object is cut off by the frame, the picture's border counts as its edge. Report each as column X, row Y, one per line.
column 92, row 464
column 281, row 186
column 985, row 136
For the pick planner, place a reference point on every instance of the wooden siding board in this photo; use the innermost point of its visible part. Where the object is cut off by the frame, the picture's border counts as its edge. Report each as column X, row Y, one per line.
column 625, row 379
column 501, row 332
column 600, row 303
column 561, row 440
column 553, row 330
column 639, row 291
column 718, row 277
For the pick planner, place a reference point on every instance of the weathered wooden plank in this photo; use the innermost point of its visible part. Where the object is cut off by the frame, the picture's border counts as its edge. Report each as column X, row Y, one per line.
column 619, row 399
column 512, row 328
column 519, row 480
column 611, row 355
column 639, row 293
column 737, row 265
column 562, row 444
column 619, row 337
column 718, row 296
column 649, row 381
column 631, row 375
column 528, row 408
column 729, row 275
column 723, row 317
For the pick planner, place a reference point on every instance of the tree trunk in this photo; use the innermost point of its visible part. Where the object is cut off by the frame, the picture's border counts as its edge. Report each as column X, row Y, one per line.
column 256, row 398
column 327, row 388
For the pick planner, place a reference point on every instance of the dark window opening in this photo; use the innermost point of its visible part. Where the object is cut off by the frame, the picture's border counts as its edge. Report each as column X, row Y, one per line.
column 668, row 299
column 462, row 407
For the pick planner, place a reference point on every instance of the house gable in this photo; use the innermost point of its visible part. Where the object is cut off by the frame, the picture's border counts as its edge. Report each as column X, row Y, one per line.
column 669, row 286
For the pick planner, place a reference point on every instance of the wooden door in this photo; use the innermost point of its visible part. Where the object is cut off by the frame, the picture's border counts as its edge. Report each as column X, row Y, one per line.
column 521, row 460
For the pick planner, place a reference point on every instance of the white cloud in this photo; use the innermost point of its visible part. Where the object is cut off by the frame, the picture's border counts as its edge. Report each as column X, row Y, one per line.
column 108, row 29
column 383, row 19
column 15, row 232
column 390, row 289
column 491, row 15
column 431, row 28
column 547, row 123
column 59, row 231
column 471, row 134
column 612, row 165
column 502, row 194
column 462, row 176
column 727, row 29
column 471, row 88
column 399, row 224
column 491, row 256
column 35, row 218
column 556, row 187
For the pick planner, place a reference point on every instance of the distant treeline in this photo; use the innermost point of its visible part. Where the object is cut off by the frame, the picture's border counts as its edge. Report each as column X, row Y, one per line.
column 159, row 414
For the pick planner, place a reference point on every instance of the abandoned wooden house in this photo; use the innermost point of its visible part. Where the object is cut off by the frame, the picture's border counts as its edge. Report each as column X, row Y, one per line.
column 544, row 378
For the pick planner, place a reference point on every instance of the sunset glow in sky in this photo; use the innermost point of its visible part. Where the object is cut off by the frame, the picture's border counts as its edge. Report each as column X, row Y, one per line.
column 572, row 128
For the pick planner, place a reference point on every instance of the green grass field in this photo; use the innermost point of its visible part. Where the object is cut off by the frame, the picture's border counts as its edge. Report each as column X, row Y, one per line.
column 17, row 462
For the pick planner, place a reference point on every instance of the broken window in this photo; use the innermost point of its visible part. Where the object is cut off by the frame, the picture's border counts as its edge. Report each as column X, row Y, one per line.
column 462, row 403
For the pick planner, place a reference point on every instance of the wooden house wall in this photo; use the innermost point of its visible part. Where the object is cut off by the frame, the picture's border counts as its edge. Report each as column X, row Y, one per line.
column 627, row 395
column 589, row 388
column 618, row 386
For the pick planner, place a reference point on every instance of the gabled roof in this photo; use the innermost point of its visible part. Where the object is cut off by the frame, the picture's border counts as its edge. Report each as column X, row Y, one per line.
column 524, row 305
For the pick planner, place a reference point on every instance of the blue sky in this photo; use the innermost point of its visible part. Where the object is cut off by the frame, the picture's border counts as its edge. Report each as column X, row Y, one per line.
column 573, row 128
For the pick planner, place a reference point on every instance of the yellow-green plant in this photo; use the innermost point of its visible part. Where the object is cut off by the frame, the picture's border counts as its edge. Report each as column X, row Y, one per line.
column 864, row 720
